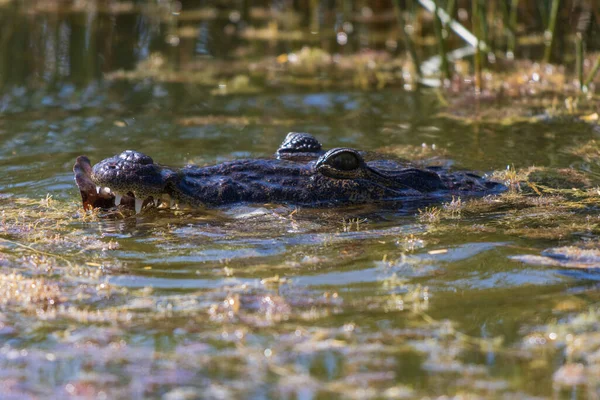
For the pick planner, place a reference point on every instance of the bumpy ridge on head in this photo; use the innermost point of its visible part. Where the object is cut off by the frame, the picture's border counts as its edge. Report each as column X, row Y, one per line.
column 133, row 156
column 299, row 142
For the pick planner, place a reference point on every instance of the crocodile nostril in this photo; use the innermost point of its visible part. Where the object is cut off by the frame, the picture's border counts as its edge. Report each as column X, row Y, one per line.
column 112, row 166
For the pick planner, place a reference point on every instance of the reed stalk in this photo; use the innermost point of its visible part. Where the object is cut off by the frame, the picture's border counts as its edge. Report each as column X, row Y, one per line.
column 454, row 25
column 408, row 42
column 549, row 34
column 543, row 12
column 509, row 19
column 583, row 23
column 513, row 27
column 592, row 73
column 441, row 42
column 483, row 25
column 314, row 15
column 450, row 7
column 477, row 61
column 579, row 59
column 6, row 32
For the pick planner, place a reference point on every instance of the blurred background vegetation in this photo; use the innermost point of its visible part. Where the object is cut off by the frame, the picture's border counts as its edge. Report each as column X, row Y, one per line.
column 238, row 45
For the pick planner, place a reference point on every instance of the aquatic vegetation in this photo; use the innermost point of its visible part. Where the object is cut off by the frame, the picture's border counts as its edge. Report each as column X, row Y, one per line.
column 527, row 83
column 307, row 68
column 17, row 290
column 543, row 203
column 454, row 207
column 222, row 327
column 589, row 151
column 353, row 224
column 575, row 338
column 430, row 215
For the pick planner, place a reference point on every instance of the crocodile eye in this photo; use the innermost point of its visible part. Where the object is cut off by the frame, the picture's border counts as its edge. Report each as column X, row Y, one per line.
column 344, row 161
column 340, row 163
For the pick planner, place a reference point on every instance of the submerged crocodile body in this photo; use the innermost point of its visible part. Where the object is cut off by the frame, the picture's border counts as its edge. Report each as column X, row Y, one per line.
column 301, row 174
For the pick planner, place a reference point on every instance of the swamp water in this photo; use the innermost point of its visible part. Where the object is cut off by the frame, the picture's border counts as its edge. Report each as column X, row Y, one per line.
column 272, row 301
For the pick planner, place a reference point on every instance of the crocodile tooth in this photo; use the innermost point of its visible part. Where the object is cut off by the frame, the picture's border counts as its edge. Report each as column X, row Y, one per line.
column 172, row 203
column 157, row 202
column 98, row 189
column 166, row 199
column 117, row 199
column 138, row 205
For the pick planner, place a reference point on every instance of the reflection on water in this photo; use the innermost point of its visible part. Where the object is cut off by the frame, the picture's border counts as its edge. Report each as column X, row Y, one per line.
column 256, row 301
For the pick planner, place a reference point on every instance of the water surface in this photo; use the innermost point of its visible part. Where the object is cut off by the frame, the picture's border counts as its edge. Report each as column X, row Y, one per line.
column 256, row 301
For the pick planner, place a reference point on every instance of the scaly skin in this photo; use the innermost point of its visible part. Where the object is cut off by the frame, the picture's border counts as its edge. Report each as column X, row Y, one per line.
column 302, row 174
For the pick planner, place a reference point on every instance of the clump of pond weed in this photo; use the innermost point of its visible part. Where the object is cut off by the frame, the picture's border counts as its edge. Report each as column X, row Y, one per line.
column 453, row 208
column 309, row 67
column 46, row 227
column 540, row 203
column 353, row 224
column 410, row 243
column 48, row 267
column 520, row 91
column 589, row 151
column 576, row 339
column 19, row 290
column 430, row 215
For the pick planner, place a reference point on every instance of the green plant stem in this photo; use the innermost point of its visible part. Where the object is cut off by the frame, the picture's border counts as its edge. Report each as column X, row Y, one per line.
column 407, row 39
column 474, row 21
column 543, row 10
column 579, row 59
column 24, row 246
column 314, row 15
column 483, row 25
column 450, row 8
column 441, row 42
column 592, row 73
column 551, row 30
column 447, row 19
column 512, row 27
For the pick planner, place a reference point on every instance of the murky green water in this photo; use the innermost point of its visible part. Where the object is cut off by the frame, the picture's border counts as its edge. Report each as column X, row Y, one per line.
column 258, row 301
